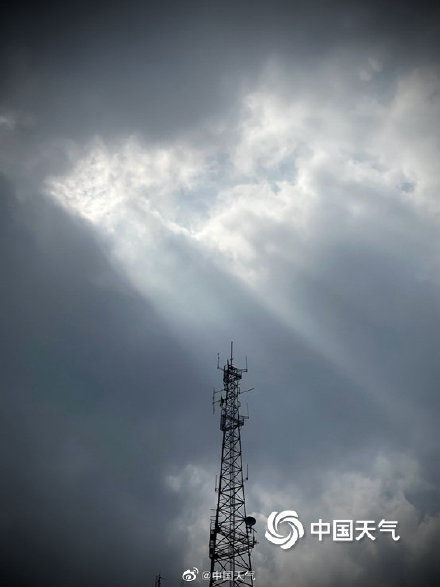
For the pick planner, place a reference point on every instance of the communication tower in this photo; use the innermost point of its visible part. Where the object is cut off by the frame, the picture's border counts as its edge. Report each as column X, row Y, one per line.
column 232, row 534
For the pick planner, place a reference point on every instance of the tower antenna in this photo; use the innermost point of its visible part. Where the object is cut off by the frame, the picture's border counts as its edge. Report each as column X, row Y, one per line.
column 232, row 534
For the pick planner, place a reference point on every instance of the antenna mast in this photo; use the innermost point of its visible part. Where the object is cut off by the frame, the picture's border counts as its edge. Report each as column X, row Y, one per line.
column 232, row 535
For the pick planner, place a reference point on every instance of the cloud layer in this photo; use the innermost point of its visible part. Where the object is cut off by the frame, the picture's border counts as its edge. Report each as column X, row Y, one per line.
column 174, row 182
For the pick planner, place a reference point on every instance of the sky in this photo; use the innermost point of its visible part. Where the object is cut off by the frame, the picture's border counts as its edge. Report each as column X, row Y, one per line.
column 177, row 175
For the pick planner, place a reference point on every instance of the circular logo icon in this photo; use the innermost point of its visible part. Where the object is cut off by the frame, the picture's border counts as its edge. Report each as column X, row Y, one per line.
column 290, row 519
column 190, row 575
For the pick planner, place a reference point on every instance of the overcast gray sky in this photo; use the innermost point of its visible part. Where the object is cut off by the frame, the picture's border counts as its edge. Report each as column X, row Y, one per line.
column 181, row 174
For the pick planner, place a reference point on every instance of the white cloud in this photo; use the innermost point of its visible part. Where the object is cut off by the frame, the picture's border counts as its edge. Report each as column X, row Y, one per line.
column 110, row 179
column 409, row 141
column 7, row 122
column 273, row 170
column 302, row 170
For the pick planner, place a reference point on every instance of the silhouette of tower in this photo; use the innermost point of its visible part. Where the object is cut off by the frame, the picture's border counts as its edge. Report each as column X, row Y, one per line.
column 232, row 534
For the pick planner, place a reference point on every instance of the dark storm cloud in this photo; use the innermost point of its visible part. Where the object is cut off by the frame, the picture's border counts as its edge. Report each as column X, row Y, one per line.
column 381, row 305
column 106, row 395
column 156, row 68
column 86, row 387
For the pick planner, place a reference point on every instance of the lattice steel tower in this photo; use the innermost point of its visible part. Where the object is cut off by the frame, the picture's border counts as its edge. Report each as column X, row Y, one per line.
column 232, row 535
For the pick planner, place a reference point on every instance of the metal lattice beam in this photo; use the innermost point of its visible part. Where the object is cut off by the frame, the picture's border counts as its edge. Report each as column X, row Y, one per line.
column 232, row 535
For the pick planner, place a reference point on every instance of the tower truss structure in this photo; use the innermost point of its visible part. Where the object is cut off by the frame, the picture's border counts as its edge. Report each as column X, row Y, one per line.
column 232, row 535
